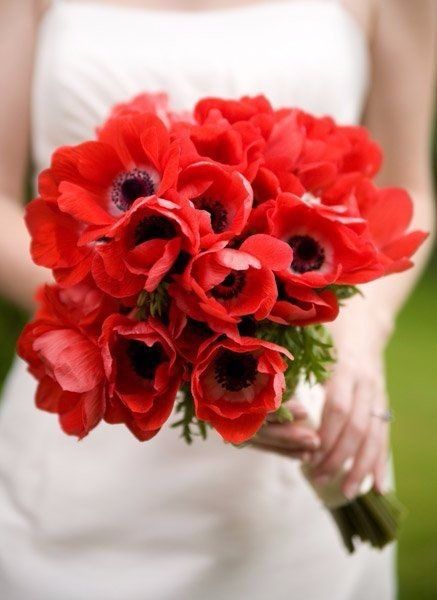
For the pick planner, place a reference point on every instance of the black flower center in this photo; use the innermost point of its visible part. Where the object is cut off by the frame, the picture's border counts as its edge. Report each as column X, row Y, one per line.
column 145, row 359
column 124, row 310
column 129, row 186
column 152, row 228
column 199, row 328
column 180, row 263
column 283, row 295
column 308, row 254
column 235, row 371
column 237, row 240
column 218, row 213
column 230, row 287
column 247, row 326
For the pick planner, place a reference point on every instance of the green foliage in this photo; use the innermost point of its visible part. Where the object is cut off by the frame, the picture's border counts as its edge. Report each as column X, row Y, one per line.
column 344, row 292
column 191, row 426
column 312, row 351
column 153, row 303
column 283, row 414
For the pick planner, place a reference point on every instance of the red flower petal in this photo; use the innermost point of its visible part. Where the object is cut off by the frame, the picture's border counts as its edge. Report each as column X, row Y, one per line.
column 272, row 253
column 82, row 205
column 74, row 360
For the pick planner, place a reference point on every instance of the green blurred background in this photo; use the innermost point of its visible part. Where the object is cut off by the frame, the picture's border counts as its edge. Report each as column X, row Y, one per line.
column 412, row 380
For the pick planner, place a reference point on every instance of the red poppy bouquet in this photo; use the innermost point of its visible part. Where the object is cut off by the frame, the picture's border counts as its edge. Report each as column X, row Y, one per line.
column 202, row 252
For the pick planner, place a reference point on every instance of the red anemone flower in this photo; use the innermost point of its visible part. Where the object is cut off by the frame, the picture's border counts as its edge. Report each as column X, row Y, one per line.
column 54, row 242
column 302, row 155
column 312, row 152
column 84, row 306
column 143, row 371
column 143, row 246
column 222, row 285
column 223, row 199
column 236, row 147
column 388, row 213
column 89, row 187
column 363, row 155
column 141, row 104
column 325, row 251
column 235, row 385
column 298, row 305
column 244, row 109
column 267, row 186
column 155, row 103
column 63, row 355
column 385, row 212
column 346, row 212
column 98, row 181
column 187, row 333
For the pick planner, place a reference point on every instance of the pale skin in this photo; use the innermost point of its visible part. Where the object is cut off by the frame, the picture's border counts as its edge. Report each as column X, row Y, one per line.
column 402, row 42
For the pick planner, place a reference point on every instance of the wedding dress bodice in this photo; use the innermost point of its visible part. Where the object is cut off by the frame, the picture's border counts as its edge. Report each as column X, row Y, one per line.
column 307, row 53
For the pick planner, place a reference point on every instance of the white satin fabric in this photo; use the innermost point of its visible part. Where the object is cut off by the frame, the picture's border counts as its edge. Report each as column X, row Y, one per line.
column 112, row 519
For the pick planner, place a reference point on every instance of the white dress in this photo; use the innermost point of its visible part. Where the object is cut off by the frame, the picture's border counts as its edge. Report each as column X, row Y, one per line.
column 112, row 519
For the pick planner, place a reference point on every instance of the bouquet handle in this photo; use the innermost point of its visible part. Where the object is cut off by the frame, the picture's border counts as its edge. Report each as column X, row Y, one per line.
column 371, row 517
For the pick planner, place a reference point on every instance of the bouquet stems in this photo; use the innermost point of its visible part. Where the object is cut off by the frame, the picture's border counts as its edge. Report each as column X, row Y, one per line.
column 372, row 517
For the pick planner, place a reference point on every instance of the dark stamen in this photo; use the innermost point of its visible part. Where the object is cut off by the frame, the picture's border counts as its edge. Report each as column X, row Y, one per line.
column 145, row 359
column 199, row 328
column 180, row 263
column 152, row 228
column 124, row 310
column 235, row 371
column 237, row 240
column 129, row 186
column 247, row 326
column 231, row 286
column 308, row 254
column 283, row 295
column 219, row 216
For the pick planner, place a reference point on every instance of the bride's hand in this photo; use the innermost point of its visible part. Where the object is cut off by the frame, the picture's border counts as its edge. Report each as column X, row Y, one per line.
column 356, row 399
column 293, row 439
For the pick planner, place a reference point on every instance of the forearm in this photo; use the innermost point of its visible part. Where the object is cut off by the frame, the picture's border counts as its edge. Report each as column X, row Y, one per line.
column 19, row 277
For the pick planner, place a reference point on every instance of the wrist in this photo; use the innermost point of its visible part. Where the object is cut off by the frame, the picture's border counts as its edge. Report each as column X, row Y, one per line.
column 361, row 328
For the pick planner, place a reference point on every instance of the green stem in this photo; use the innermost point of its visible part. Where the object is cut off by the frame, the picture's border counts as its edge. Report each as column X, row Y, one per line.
column 374, row 518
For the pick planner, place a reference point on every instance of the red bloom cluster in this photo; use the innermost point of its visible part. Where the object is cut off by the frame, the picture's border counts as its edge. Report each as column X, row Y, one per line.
column 174, row 239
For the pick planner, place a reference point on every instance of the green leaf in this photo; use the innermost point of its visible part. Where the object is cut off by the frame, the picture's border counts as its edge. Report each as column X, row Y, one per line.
column 344, row 292
column 153, row 303
column 312, row 351
column 191, row 426
column 142, row 298
column 283, row 414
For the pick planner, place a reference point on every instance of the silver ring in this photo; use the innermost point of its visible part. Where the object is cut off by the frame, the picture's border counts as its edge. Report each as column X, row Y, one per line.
column 385, row 415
